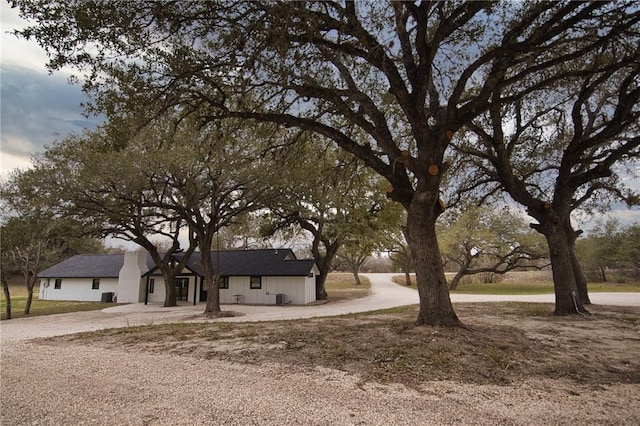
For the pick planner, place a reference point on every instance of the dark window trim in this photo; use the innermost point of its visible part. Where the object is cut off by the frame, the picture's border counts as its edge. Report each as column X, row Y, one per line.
column 152, row 284
column 223, row 282
column 95, row 284
column 255, row 282
column 57, row 284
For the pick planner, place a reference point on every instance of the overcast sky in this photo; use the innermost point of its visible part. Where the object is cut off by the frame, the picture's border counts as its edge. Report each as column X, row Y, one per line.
column 38, row 108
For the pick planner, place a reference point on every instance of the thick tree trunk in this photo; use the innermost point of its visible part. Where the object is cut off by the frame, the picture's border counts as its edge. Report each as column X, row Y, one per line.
column 324, row 265
column 564, row 283
column 555, row 227
column 213, row 296
column 321, row 278
column 211, row 283
column 581, row 279
column 7, row 297
column 170, row 291
column 435, row 304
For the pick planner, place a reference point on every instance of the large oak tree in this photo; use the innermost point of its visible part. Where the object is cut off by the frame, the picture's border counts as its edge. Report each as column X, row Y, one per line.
column 557, row 150
column 407, row 75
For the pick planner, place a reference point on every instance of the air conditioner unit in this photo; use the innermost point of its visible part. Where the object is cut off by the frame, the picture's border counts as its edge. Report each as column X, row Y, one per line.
column 281, row 299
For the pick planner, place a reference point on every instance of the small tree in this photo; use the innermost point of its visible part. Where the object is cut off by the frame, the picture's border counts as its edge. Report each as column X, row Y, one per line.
column 630, row 248
column 34, row 235
column 603, row 247
column 6, row 268
column 483, row 240
column 400, row 254
column 609, row 246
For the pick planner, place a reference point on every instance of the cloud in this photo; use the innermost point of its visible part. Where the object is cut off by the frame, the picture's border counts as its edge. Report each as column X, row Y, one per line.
column 17, row 51
column 36, row 110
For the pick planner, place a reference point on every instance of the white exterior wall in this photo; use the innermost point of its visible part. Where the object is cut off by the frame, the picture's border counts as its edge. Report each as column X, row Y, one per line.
column 298, row 290
column 310, row 285
column 76, row 289
column 159, row 290
column 131, row 286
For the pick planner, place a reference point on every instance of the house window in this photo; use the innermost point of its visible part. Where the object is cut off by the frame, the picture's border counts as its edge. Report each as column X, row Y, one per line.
column 95, row 285
column 256, row 283
column 58, row 284
column 223, row 282
column 152, row 284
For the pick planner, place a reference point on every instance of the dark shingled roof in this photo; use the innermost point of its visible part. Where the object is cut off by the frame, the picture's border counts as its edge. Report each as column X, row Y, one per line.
column 86, row 266
column 270, row 262
column 266, row 262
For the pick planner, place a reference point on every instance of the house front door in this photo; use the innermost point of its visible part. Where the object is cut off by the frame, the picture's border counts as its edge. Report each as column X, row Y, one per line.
column 182, row 289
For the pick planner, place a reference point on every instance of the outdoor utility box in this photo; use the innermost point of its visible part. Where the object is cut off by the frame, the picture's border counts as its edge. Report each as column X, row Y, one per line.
column 281, row 299
column 107, row 297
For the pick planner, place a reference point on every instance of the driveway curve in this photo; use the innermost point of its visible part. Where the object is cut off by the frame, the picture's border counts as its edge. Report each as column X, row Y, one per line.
column 384, row 294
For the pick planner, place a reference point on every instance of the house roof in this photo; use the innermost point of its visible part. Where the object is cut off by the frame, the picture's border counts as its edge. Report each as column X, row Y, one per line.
column 268, row 262
column 88, row 266
column 265, row 262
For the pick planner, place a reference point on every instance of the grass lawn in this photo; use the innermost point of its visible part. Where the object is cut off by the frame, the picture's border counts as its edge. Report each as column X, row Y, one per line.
column 539, row 288
column 526, row 286
column 342, row 286
column 43, row 307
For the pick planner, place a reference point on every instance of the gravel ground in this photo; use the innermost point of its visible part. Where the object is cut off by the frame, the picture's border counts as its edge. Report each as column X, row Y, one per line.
column 46, row 384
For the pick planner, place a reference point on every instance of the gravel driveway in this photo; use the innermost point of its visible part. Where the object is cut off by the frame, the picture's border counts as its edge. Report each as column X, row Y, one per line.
column 68, row 385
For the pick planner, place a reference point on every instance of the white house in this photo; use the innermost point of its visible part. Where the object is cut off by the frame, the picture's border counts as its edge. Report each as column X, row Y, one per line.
column 83, row 277
column 270, row 276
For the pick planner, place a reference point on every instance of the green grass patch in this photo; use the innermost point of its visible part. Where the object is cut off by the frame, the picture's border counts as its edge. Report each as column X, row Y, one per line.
column 43, row 307
column 538, row 288
column 528, row 287
column 505, row 288
column 613, row 287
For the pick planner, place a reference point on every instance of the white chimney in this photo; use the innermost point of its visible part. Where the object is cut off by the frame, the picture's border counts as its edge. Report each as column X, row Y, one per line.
column 131, row 286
